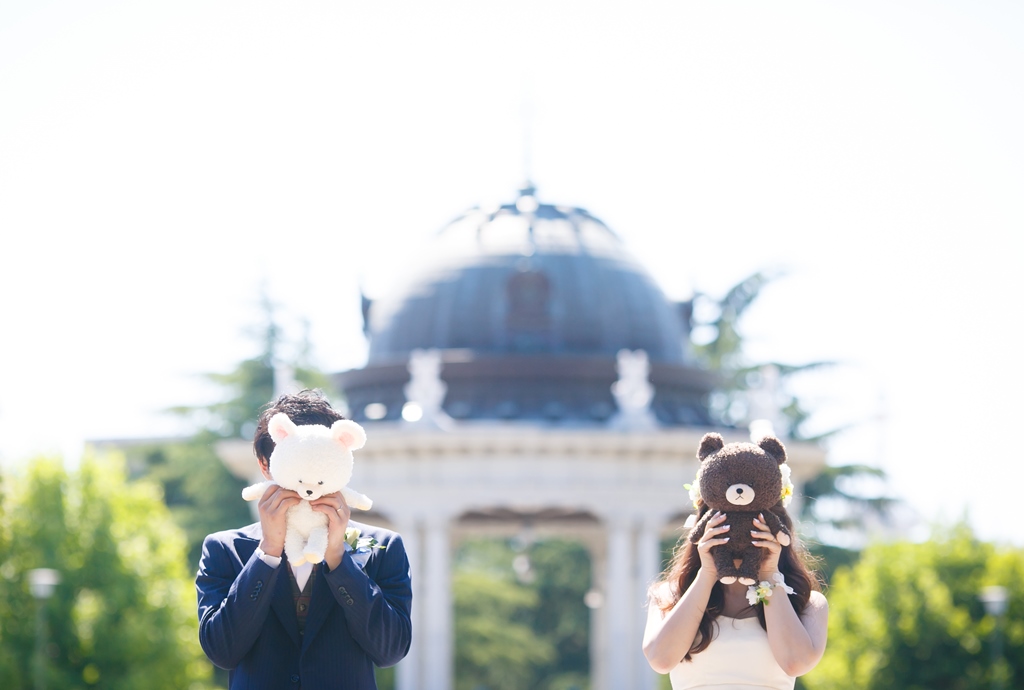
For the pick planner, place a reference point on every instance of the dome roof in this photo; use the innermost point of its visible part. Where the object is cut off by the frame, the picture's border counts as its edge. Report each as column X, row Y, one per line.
column 529, row 304
column 528, row 278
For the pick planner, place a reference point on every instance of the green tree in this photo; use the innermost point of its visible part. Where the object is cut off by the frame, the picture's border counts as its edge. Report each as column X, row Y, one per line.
column 836, row 501
column 835, row 505
column 496, row 647
column 203, row 496
column 908, row 616
column 251, row 384
column 525, row 629
column 719, row 345
column 122, row 616
column 562, row 578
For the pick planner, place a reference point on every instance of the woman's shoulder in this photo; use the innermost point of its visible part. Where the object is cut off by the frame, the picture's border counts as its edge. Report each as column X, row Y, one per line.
column 661, row 588
column 660, row 593
column 817, row 606
column 817, row 600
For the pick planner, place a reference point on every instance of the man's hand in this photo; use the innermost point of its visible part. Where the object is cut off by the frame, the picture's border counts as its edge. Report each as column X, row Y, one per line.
column 338, row 513
column 273, row 509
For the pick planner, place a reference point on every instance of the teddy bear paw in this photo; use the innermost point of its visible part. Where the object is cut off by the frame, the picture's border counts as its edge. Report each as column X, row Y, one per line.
column 727, row 579
column 747, row 581
column 783, row 538
column 313, row 557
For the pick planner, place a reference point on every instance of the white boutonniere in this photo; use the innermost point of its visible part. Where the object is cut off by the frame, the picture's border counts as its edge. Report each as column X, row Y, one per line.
column 358, row 543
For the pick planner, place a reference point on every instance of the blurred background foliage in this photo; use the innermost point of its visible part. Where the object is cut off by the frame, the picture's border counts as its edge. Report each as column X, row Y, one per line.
column 520, row 620
column 123, row 615
column 837, row 506
column 908, row 615
column 203, row 496
column 277, row 364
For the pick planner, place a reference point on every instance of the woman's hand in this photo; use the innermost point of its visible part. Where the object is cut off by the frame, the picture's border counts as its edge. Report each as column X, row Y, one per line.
column 338, row 513
column 711, row 538
column 762, row 537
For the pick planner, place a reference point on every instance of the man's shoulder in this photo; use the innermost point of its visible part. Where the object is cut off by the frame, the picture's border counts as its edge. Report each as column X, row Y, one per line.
column 249, row 532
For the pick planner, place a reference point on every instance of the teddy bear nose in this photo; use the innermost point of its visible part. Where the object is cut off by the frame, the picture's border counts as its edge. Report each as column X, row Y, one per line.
column 309, row 492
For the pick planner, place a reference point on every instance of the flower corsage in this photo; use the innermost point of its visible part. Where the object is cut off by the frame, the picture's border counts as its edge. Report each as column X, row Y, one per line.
column 360, row 544
column 694, row 490
column 759, row 593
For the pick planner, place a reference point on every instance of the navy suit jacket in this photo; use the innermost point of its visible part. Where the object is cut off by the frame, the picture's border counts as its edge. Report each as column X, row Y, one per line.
column 359, row 614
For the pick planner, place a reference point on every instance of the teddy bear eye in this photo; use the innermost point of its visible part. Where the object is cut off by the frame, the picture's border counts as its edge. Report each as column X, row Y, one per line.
column 300, row 481
column 319, row 482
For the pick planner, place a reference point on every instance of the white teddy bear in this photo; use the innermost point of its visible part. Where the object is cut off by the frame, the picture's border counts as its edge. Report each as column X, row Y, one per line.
column 313, row 461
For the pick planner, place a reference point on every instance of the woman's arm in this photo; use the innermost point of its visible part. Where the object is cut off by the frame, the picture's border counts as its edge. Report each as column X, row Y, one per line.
column 669, row 635
column 797, row 641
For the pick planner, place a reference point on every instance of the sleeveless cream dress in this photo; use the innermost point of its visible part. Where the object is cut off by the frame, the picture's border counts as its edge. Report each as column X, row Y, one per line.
column 738, row 658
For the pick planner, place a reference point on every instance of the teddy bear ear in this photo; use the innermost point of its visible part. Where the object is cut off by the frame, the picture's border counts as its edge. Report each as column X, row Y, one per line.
column 711, row 443
column 774, row 448
column 348, row 434
column 281, row 427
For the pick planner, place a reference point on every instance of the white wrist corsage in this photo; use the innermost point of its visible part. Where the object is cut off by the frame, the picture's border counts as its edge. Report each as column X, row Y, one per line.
column 759, row 593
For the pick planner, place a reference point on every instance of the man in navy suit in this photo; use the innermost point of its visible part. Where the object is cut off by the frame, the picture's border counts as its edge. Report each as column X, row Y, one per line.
column 317, row 626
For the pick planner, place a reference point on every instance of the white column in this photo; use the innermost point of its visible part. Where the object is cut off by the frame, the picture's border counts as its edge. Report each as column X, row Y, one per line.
column 409, row 672
column 648, row 565
column 619, row 609
column 437, row 654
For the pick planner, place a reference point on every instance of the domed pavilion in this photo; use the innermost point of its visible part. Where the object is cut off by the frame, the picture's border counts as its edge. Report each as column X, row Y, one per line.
column 529, row 305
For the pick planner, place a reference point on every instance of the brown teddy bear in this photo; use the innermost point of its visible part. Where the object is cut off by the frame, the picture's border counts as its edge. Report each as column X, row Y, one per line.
column 742, row 480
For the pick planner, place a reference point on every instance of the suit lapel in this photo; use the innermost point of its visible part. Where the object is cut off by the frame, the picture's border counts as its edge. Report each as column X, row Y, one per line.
column 360, row 558
column 282, row 602
column 244, row 548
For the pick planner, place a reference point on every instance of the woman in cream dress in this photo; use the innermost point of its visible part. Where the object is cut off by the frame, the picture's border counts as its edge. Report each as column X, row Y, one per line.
column 706, row 634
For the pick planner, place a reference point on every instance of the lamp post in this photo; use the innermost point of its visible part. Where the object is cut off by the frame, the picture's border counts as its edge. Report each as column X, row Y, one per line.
column 996, row 600
column 41, row 582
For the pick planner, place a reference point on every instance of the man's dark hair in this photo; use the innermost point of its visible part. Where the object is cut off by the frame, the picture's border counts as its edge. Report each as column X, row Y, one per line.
column 304, row 407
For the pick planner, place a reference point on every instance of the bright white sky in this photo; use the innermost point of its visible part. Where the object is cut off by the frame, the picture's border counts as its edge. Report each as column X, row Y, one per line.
column 159, row 162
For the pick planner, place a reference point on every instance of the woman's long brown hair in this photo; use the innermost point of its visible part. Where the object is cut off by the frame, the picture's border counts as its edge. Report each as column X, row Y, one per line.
column 794, row 564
